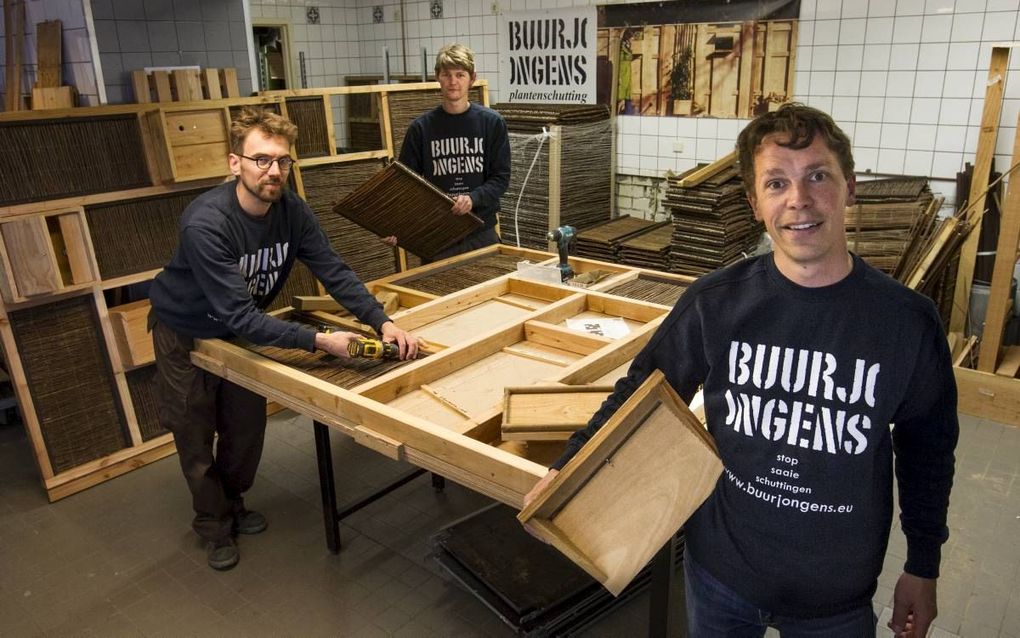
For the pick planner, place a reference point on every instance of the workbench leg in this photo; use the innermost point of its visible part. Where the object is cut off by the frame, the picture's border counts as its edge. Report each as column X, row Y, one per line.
column 662, row 603
column 327, row 485
column 438, row 482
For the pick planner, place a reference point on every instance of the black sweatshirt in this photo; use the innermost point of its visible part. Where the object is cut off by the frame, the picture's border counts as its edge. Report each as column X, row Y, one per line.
column 800, row 387
column 467, row 152
column 229, row 266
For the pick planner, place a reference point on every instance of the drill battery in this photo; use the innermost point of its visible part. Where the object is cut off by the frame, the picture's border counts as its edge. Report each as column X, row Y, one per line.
column 373, row 349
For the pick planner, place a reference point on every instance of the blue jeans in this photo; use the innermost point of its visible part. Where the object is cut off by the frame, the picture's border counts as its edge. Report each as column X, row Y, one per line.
column 715, row 610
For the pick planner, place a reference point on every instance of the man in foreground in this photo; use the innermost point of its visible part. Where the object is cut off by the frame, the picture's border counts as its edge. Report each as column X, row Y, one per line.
column 806, row 356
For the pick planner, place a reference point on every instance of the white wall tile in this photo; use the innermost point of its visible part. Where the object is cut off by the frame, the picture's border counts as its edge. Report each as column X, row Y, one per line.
column 999, row 26
column 848, row 83
column 936, row 28
column 970, row 6
column 967, row 27
column 686, row 127
column 900, row 84
column 850, row 57
column 925, row 110
column 907, row 28
column 881, row 8
column 844, row 109
column 894, row 135
column 946, row 164
column 951, row 139
column 827, row 32
column 873, row 83
column 955, row 111
column 868, row 134
column 828, row 9
column 962, row 55
column 822, row 82
column 960, row 83
column 931, row 56
column 897, row 109
column 823, row 58
column 855, row 9
column 876, row 57
column 903, row 57
column 865, row 159
column 879, row 31
column 708, row 128
column 1000, row 5
column 909, row 7
column 870, row 109
column 917, row 162
column 929, row 83
column 921, row 137
column 890, row 160
column 940, row 6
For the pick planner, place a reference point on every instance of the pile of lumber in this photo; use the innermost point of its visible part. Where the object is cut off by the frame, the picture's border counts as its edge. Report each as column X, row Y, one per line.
column 602, row 241
column 880, row 223
column 713, row 224
column 184, row 84
column 560, row 178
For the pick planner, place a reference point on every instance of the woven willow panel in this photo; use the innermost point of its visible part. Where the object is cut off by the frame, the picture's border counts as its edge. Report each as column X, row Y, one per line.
column 309, row 114
column 70, row 380
column 646, row 288
column 136, row 235
column 360, row 248
column 50, row 159
column 462, row 275
column 142, row 386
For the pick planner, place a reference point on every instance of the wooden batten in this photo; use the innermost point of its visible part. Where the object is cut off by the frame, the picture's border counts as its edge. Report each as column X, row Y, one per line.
column 630, row 488
column 85, row 476
column 708, row 171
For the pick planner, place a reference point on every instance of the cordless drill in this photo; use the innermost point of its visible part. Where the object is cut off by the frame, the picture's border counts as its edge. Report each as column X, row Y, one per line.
column 372, row 349
column 564, row 238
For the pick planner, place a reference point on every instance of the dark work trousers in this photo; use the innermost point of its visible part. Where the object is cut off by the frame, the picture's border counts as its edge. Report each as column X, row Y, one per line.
column 474, row 241
column 196, row 405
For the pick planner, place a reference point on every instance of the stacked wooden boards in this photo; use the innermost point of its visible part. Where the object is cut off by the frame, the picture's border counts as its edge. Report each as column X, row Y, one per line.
column 560, row 177
column 713, row 224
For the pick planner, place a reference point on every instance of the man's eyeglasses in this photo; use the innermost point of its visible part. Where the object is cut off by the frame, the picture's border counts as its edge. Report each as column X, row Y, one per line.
column 264, row 162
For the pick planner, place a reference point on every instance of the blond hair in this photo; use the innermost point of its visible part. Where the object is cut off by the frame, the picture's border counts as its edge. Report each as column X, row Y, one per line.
column 265, row 121
column 455, row 55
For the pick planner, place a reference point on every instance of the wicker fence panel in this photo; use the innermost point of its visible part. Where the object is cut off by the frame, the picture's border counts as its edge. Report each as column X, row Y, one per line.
column 133, row 236
column 70, row 380
column 462, row 275
column 50, row 159
column 142, row 386
column 405, row 106
column 361, row 249
column 309, row 114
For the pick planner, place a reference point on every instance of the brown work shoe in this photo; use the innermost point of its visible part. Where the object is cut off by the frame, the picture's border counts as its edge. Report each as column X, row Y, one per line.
column 222, row 554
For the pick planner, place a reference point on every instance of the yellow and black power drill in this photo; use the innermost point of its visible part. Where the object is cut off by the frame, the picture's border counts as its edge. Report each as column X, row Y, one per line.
column 366, row 348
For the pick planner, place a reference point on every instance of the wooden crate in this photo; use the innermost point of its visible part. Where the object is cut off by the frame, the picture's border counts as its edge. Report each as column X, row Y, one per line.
column 44, row 254
column 630, row 488
column 549, row 413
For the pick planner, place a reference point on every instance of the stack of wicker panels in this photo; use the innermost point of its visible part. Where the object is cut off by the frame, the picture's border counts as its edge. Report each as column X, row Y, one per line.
column 602, row 241
column 713, row 224
column 878, row 226
column 581, row 167
column 650, row 249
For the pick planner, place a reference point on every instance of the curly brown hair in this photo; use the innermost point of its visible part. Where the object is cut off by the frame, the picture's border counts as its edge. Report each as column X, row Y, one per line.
column 266, row 121
column 796, row 124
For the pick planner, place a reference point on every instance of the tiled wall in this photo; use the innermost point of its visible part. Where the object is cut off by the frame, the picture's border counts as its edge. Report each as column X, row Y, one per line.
column 77, row 56
column 904, row 78
column 133, row 34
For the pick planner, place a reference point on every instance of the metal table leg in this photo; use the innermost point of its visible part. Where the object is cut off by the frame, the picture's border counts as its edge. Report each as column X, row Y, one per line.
column 327, row 485
column 661, row 605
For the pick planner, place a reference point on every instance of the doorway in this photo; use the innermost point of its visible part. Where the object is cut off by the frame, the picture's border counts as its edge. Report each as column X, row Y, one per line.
column 272, row 56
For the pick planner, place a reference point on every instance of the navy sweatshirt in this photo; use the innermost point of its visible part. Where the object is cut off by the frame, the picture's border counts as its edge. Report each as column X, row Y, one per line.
column 801, row 386
column 229, row 266
column 464, row 153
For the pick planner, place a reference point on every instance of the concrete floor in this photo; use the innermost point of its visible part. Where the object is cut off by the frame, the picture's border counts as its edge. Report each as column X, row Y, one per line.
column 120, row 559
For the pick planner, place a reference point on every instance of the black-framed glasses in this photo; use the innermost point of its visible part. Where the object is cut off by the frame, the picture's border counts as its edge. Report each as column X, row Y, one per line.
column 264, row 162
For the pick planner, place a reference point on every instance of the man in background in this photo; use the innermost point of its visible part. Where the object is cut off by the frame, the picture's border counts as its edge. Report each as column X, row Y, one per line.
column 462, row 148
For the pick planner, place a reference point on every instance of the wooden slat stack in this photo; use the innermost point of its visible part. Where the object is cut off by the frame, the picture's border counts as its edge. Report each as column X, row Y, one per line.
column 712, row 222
column 878, row 226
column 184, row 85
column 569, row 173
column 602, row 241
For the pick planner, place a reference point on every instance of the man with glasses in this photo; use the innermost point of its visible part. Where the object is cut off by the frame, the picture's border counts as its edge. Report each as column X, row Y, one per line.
column 237, row 244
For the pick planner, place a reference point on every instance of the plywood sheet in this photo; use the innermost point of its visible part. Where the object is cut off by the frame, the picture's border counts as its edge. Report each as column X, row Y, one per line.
column 427, row 406
column 549, row 413
column 452, row 330
column 477, row 389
